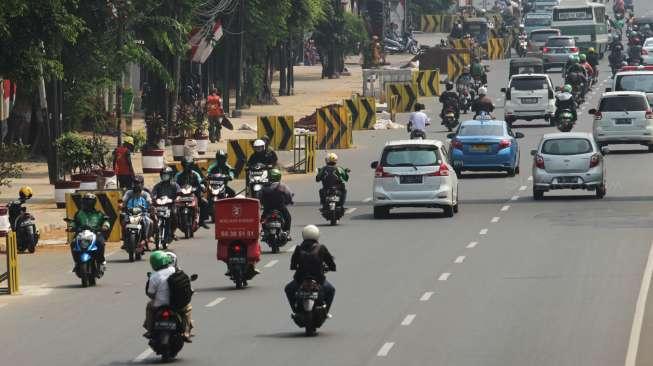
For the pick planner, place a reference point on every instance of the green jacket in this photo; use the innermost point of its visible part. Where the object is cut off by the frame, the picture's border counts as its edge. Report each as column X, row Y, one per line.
column 477, row 69
column 92, row 219
column 221, row 169
column 340, row 172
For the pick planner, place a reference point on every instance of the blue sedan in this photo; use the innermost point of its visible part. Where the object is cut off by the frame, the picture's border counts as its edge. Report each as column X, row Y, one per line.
column 485, row 145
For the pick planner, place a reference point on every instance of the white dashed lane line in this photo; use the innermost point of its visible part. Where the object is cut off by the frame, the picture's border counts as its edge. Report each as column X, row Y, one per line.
column 143, row 355
column 215, row 302
column 522, row 188
column 514, row 198
column 530, row 177
column 385, row 349
column 271, row 263
column 482, row 232
column 472, row 245
column 368, row 199
column 495, row 219
column 505, row 208
column 426, row 296
column 350, row 210
column 460, row 259
column 444, row 276
column 408, row 319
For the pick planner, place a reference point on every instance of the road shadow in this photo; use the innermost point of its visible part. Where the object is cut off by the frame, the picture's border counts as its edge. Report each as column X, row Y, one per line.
column 292, row 335
column 629, row 152
column 472, row 175
column 151, row 360
column 67, row 286
column 404, row 215
column 229, row 288
column 122, row 260
column 532, row 125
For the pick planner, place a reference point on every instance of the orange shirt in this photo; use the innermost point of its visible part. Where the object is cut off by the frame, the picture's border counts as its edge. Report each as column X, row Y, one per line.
column 214, row 106
column 121, row 161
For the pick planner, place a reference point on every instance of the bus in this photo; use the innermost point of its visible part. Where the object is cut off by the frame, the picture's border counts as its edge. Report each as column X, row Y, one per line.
column 585, row 21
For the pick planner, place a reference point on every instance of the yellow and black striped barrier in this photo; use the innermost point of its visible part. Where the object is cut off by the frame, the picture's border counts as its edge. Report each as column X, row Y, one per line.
column 334, row 128
column 12, row 274
column 238, row 152
column 427, row 82
column 497, row 48
column 362, row 111
column 392, row 106
column 279, row 129
column 406, row 96
column 437, row 23
column 456, row 62
column 108, row 202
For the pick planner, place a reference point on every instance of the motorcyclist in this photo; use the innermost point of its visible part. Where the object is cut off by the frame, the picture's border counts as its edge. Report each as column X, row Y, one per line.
column 589, row 71
column 593, row 59
column 167, row 187
column 332, row 176
column 277, row 196
column 566, row 101
column 138, row 197
column 465, row 79
column 215, row 111
column 635, row 54
column 158, row 291
column 634, row 39
column 188, row 176
column 449, row 98
column 483, row 103
column 90, row 218
column 220, row 166
column 478, row 70
column 646, row 31
column 15, row 208
column 262, row 155
column 616, row 58
column 309, row 260
column 457, row 30
column 418, row 121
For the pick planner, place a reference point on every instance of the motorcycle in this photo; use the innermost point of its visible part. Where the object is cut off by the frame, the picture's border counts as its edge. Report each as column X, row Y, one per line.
column 522, row 46
column 163, row 209
column 188, row 211
column 237, row 264
column 273, row 233
column 85, row 246
column 310, row 306
column 167, row 331
column 565, row 121
column 217, row 190
column 133, row 236
column 257, row 177
column 449, row 119
column 465, row 100
column 332, row 210
column 24, row 224
column 406, row 44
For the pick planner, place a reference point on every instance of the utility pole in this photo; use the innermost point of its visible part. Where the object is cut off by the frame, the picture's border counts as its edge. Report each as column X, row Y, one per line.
column 239, row 81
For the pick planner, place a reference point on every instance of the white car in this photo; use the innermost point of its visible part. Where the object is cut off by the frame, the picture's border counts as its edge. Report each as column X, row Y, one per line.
column 634, row 78
column 647, row 51
column 414, row 173
column 623, row 118
column 529, row 97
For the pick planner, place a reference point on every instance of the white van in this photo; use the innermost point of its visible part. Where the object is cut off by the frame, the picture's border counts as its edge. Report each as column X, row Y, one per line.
column 529, row 97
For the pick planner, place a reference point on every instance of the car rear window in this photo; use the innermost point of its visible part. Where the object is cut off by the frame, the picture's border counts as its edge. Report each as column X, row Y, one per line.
column 542, row 36
column 542, row 21
column 635, row 82
column 536, row 83
column 573, row 14
column 560, row 42
column 623, row 103
column 480, row 130
column 411, row 156
column 567, row 146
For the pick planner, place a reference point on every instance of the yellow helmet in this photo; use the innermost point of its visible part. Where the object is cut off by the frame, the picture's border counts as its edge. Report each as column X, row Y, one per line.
column 128, row 140
column 25, row 192
column 591, row 50
column 331, row 158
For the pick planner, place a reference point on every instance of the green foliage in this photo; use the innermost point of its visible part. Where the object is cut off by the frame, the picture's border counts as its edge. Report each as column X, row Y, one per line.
column 73, row 152
column 10, row 156
column 155, row 127
column 139, row 137
column 99, row 153
column 185, row 122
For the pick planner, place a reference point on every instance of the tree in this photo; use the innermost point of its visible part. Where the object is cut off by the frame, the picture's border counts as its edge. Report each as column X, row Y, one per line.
column 10, row 156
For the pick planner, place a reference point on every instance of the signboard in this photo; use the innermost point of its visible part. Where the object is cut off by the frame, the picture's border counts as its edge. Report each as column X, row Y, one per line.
column 237, row 218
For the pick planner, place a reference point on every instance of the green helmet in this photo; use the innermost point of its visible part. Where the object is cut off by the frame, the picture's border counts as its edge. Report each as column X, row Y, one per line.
column 571, row 58
column 576, row 59
column 567, row 88
column 583, row 57
column 274, row 175
column 159, row 260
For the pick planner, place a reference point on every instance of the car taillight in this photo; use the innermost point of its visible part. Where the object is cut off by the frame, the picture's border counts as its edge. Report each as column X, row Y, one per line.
column 573, row 49
column 504, row 143
column 380, row 173
column 165, row 315
column 457, row 144
column 644, row 51
column 649, row 114
column 539, row 161
column 598, row 116
column 443, row 171
column 546, row 50
column 594, row 161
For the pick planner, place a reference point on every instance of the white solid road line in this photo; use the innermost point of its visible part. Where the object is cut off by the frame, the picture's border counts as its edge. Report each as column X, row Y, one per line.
column 444, row 276
column 472, row 245
column 460, row 259
column 408, row 319
column 350, row 210
column 482, row 232
column 426, row 296
column 385, row 349
column 368, row 199
column 143, row 355
column 215, row 302
column 271, row 263
column 522, row 188
column 495, row 219
column 514, row 198
column 505, row 208
column 638, row 319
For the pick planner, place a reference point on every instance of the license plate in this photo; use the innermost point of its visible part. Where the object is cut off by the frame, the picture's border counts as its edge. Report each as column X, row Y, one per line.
column 480, row 148
column 237, row 260
column 561, row 51
column 185, row 199
column 163, row 325
column 529, row 100
column 623, row 121
column 307, row 295
column 567, row 179
column 274, row 224
column 133, row 226
column 410, row 179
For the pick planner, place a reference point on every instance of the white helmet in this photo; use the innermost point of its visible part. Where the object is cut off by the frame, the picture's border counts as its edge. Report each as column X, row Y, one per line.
column 482, row 90
column 311, row 232
column 259, row 143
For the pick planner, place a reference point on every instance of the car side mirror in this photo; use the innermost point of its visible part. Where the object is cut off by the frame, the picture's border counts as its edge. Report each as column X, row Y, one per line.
column 519, row 135
column 591, row 111
column 503, row 90
column 374, row 164
column 607, row 90
column 451, row 135
column 605, row 150
column 533, row 152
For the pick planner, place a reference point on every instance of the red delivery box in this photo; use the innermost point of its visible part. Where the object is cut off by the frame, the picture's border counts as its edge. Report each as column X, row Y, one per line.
column 237, row 218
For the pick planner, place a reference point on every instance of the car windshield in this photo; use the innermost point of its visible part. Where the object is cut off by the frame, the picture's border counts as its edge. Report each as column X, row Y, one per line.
column 537, row 83
column 635, row 82
column 648, row 43
column 573, row 14
column 411, row 156
column 623, row 103
column 480, row 130
column 537, row 21
column 560, row 42
column 475, row 28
column 542, row 36
column 567, row 146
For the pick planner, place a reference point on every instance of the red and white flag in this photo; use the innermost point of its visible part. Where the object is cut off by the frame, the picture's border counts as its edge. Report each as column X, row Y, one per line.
column 202, row 42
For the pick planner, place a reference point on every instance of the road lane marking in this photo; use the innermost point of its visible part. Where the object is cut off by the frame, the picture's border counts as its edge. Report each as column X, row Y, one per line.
column 385, row 349
column 426, row 296
column 143, row 355
column 482, row 232
column 640, row 307
column 530, row 177
column 368, row 199
column 408, row 319
column 514, row 198
column 505, row 208
column 495, row 219
column 472, row 245
column 350, row 210
column 460, row 259
column 444, row 276
column 215, row 302
column 271, row 263
column 522, row 188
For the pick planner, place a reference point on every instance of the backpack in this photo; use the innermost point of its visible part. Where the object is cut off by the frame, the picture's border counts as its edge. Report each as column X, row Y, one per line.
column 180, row 290
column 330, row 178
column 310, row 261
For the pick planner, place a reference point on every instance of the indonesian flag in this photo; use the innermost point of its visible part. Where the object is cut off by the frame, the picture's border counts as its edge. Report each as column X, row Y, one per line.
column 7, row 98
column 202, row 42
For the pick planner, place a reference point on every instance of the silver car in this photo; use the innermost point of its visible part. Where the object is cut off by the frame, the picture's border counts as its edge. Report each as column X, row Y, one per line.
column 557, row 50
column 570, row 160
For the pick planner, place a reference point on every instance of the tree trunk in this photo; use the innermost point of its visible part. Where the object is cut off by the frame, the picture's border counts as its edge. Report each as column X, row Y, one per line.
column 283, row 89
column 290, row 58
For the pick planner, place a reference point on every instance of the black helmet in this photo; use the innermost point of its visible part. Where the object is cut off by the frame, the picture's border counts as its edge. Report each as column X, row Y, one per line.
column 167, row 174
column 88, row 201
column 221, row 156
column 449, row 85
column 138, row 183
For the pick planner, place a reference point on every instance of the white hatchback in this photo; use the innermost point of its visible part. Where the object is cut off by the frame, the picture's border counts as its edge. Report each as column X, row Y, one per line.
column 529, row 97
column 414, row 173
column 623, row 117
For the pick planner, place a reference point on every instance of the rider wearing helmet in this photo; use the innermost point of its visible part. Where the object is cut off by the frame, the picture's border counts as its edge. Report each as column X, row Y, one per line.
column 309, row 260
column 167, row 187
column 449, row 98
column 220, row 166
column 575, row 75
column 593, row 58
column 483, row 103
column 277, row 196
column 90, row 218
column 138, row 197
column 589, row 71
column 158, row 291
column 465, row 79
column 332, row 176
column 478, row 70
column 188, row 176
column 262, row 155
column 565, row 100
column 16, row 207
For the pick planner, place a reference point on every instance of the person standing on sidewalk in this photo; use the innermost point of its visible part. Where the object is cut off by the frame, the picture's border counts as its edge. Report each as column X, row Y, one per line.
column 216, row 113
column 122, row 163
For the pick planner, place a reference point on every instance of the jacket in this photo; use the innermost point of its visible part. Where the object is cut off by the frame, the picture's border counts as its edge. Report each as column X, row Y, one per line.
column 449, row 98
column 95, row 220
column 483, row 104
column 327, row 171
column 267, row 157
column 224, row 169
column 189, row 177
column 275, row 196
column 169, row 189
column 565, row 101
column 309, row 260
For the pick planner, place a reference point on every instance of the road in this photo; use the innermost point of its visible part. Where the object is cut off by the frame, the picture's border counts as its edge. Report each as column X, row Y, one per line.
column 508, row 281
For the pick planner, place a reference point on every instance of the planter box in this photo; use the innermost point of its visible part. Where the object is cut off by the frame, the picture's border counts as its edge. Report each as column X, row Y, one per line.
column 107, row 179
column 178, row 148
column 4, row 221
column 63, row 187
column 202, row 144
column 153, row 160
column 88, row 181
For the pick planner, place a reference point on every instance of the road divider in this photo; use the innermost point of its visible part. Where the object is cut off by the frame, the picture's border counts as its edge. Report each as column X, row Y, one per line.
column 362, row 111
column 279, row 129
column 108, row 202
column 334, row 128
column 238, row 152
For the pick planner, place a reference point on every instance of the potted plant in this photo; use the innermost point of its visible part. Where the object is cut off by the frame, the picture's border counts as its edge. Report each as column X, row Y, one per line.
column 154, row 150
column 202, row 136
column 185, row 127
column 72, row 152
column 99, row 163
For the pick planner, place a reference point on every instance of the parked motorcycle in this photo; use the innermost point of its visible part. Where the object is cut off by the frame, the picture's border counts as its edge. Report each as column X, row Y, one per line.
column 310, row 306
column 23, row 224
column 257, row 177
column 332, row 210
column 565, row 121
column 187, row 211
column 406, row 44
column 133, row 235
column 85, row 247
column 273, row 233
column 163, row 209
column 217, row 190
column 449, row 119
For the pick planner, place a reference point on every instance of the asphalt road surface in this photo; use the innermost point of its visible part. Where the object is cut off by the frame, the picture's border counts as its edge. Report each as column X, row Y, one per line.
column 507, row 281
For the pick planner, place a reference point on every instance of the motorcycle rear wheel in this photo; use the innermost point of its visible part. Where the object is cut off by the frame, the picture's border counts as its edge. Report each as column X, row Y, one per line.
column 309, row 327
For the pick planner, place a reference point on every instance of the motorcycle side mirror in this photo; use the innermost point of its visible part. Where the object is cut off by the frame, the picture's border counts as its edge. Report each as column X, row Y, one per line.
column 149, row 274
column 605, row 150
column 374, row 164
column 533, row 152
column 503, row 90
column 451, row 135
column 591, row 111
column 519, row 135
column 607, row 90
column 193, row 277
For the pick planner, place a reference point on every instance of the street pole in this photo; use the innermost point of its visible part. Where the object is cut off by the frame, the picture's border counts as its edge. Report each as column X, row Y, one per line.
column 239, row 81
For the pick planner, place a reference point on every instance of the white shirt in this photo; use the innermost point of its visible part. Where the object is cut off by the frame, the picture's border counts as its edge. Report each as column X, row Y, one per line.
column 159, row 286
column 419, row 121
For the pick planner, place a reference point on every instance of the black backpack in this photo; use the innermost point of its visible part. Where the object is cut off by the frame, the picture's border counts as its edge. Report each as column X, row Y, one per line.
column 180, row 290
column 330, row 179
